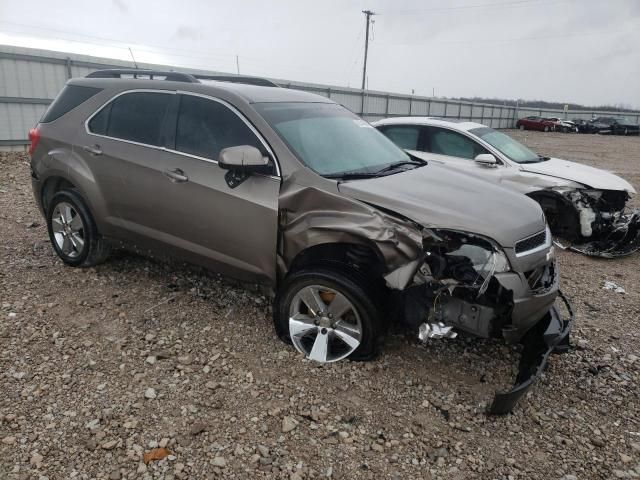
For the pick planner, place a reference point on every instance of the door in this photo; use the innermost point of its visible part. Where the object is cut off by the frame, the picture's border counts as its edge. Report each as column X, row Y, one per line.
column 235, row 227
column 173, row 194
column 459, row 151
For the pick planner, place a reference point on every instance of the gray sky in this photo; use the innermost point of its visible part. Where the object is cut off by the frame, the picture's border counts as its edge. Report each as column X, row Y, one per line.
column 583, row 51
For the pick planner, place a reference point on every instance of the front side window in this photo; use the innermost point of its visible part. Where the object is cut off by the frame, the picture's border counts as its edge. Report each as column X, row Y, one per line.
column 329, row 139
column 135, row 116
column 453, row 144
column 205, row 127
column 405, row 136
column 506, row 145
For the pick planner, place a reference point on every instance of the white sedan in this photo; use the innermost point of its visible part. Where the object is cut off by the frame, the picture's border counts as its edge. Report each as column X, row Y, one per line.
column 584, row 205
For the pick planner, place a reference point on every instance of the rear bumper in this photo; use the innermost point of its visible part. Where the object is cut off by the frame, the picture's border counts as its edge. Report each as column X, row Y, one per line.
column 550, row 335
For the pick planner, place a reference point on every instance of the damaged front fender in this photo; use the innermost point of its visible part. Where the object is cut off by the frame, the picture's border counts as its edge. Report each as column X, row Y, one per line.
column 311, row 216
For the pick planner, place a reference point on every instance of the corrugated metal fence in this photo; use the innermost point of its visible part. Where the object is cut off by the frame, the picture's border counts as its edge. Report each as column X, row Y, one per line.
column 30, row 79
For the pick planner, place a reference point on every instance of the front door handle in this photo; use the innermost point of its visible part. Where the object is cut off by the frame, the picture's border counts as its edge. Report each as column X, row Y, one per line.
column 92, row 149
column 176, row 175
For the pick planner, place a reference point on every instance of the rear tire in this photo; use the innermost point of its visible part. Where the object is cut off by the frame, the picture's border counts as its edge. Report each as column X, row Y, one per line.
column 352, row 327
column 521, row 127
column 73, row 232
column 546, row 128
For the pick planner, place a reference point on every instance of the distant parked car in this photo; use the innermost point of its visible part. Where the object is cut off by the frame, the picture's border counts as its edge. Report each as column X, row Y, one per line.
column 535, row 123
column 582, row 125
column 613, row 126
column 564, row 126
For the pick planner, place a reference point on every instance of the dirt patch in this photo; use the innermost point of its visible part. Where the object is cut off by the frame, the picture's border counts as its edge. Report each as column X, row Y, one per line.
column 99, row 366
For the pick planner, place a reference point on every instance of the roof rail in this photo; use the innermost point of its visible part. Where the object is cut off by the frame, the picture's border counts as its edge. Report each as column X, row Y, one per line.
column 137, row 73
column 261, row 82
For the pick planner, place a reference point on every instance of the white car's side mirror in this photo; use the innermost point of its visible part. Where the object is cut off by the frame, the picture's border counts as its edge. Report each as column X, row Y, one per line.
column 486, row 159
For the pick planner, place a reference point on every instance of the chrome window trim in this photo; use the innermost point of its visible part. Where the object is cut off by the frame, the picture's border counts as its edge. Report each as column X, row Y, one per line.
column 169, row 150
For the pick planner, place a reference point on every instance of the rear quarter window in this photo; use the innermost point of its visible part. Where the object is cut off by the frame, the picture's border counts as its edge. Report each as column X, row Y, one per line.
column 69, row 98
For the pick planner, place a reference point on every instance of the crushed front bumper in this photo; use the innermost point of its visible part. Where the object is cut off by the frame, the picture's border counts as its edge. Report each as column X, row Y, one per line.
column 550, row 335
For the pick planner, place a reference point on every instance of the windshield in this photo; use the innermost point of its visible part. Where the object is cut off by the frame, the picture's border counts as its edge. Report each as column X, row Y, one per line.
column 330, row 139
column 506, row 145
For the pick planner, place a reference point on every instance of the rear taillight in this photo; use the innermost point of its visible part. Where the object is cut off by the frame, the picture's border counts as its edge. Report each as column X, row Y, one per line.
column 34, row 138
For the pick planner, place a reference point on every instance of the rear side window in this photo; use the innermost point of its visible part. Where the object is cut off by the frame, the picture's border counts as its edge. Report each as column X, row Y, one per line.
column 205, row 127
column 136, row 116
column 406, row 137
column 69, row 98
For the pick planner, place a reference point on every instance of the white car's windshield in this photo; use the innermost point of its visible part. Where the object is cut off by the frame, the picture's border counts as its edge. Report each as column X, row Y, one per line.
column 507, row 145
column 331, row 140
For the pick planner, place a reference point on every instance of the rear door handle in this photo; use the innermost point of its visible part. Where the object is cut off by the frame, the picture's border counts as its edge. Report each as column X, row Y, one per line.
column 92, row 149
column 176, row 175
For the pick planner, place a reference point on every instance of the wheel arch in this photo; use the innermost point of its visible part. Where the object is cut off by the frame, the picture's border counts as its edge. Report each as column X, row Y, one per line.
column 558, row 210
column 363, row 256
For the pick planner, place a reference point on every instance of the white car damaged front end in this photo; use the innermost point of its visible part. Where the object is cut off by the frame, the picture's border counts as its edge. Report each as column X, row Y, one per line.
column 586, row 207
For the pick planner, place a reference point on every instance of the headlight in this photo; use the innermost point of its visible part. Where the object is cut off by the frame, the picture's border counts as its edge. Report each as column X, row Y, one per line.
column 485, row 255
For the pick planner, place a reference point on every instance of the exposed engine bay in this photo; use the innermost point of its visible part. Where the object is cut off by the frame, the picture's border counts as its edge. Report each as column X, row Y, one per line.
column 456, row 288
column 593, row 222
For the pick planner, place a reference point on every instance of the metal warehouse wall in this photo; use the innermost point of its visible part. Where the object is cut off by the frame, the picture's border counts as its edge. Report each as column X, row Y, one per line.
column 30, row 79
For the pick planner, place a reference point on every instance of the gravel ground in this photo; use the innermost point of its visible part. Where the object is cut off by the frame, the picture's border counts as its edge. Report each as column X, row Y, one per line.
column 101, row 366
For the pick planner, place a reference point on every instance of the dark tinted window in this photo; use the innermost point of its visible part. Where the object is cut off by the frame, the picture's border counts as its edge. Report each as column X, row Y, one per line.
column 69, row 98
column 447, row 142
column 135, row 116
column 406, row 137
column 98, row 124
column 205, row 127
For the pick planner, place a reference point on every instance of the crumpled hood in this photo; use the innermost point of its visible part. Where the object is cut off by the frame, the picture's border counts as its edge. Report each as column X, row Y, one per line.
column 434, row 196
column 589, row 176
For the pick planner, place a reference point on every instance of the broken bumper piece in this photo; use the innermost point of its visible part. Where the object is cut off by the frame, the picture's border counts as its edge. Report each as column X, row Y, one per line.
column 550, row 335
column 622, row 240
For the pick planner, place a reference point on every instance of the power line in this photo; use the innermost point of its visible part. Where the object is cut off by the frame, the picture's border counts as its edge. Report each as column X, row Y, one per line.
column 516, row 3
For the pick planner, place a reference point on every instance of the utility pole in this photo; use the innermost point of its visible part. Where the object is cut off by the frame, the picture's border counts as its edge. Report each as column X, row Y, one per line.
column 237, row 64
column 368, row 14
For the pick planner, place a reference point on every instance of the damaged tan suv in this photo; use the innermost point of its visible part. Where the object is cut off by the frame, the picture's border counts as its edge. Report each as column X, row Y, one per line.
column 293, row 191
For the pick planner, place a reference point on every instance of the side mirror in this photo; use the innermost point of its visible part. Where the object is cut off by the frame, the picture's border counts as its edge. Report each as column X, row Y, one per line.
column 244, row 159
column 486, row 159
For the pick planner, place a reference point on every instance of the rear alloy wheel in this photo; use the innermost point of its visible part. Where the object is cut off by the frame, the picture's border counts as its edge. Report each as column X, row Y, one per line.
column 521, row 127
column 546, row 128
column 73, row 232
column 328, row 315
column 68, row 230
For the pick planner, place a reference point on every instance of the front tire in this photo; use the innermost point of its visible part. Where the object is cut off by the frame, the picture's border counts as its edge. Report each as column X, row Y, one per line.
column 329, row 314
column 73, row 231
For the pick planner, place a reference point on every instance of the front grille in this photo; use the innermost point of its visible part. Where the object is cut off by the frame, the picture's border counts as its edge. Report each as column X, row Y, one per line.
column 531, row 243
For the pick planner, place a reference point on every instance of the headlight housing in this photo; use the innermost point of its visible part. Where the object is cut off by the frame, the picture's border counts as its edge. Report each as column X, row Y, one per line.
column 485, row 255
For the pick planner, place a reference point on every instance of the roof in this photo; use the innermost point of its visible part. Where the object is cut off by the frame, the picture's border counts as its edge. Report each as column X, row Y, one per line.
column 435, row 121
column 249, row 93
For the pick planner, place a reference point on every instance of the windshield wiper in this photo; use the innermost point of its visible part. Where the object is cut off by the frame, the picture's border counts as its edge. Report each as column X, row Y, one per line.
column 393, row 166
column 543, row 158
column 351, row 175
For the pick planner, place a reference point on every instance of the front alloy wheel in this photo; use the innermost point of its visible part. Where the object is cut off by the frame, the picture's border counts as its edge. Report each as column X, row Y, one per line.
column 330, row 313
column 323, row 324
